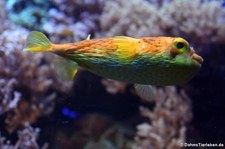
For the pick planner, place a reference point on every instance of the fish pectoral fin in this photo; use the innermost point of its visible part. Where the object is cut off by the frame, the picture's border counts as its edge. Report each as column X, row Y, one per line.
column 145, row 92
column 127, row 46
column 65, row 69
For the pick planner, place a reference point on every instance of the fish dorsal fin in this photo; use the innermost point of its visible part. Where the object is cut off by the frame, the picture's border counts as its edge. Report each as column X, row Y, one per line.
column 127, row 46
column 65, row 69
column 88, row 37
column 144, row 91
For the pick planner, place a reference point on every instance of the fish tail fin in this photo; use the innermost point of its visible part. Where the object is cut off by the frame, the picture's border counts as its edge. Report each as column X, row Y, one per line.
column 37, row 42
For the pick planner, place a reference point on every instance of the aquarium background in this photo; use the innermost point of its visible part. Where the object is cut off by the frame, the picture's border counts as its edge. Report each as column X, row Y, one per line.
column 39, row 110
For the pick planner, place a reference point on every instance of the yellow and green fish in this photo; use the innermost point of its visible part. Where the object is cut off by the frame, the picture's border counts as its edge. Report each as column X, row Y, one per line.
column 146, row 61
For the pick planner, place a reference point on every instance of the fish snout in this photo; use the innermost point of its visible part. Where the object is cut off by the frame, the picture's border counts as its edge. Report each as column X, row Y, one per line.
column 196, row 57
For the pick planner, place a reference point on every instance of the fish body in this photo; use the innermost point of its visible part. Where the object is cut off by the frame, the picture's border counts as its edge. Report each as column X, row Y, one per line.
column 148, row 60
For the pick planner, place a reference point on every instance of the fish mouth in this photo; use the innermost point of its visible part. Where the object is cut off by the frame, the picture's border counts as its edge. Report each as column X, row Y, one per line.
column 196, row 57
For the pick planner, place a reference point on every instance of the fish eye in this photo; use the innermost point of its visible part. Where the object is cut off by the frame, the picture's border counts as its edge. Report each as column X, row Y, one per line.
column 179, row 45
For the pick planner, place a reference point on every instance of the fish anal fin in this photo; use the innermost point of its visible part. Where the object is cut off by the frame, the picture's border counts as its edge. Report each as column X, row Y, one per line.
column 65, row 69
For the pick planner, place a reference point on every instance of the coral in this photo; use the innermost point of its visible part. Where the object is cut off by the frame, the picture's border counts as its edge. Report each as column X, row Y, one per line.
column 113, row 86
column 96, row 131
column 69, row 22
column 9, row 97
column 62, row 18
column 27, row 138
column 2, row 11
column 103, row 144
column 71, row 8
column 203, row 21
column 136, row 18
column 168, row 120
column 28, row 84
column 159, row 3
column 198, row 21
column 31, row 14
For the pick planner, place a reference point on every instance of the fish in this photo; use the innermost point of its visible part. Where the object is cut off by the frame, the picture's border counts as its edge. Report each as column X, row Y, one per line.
column 143, row 61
